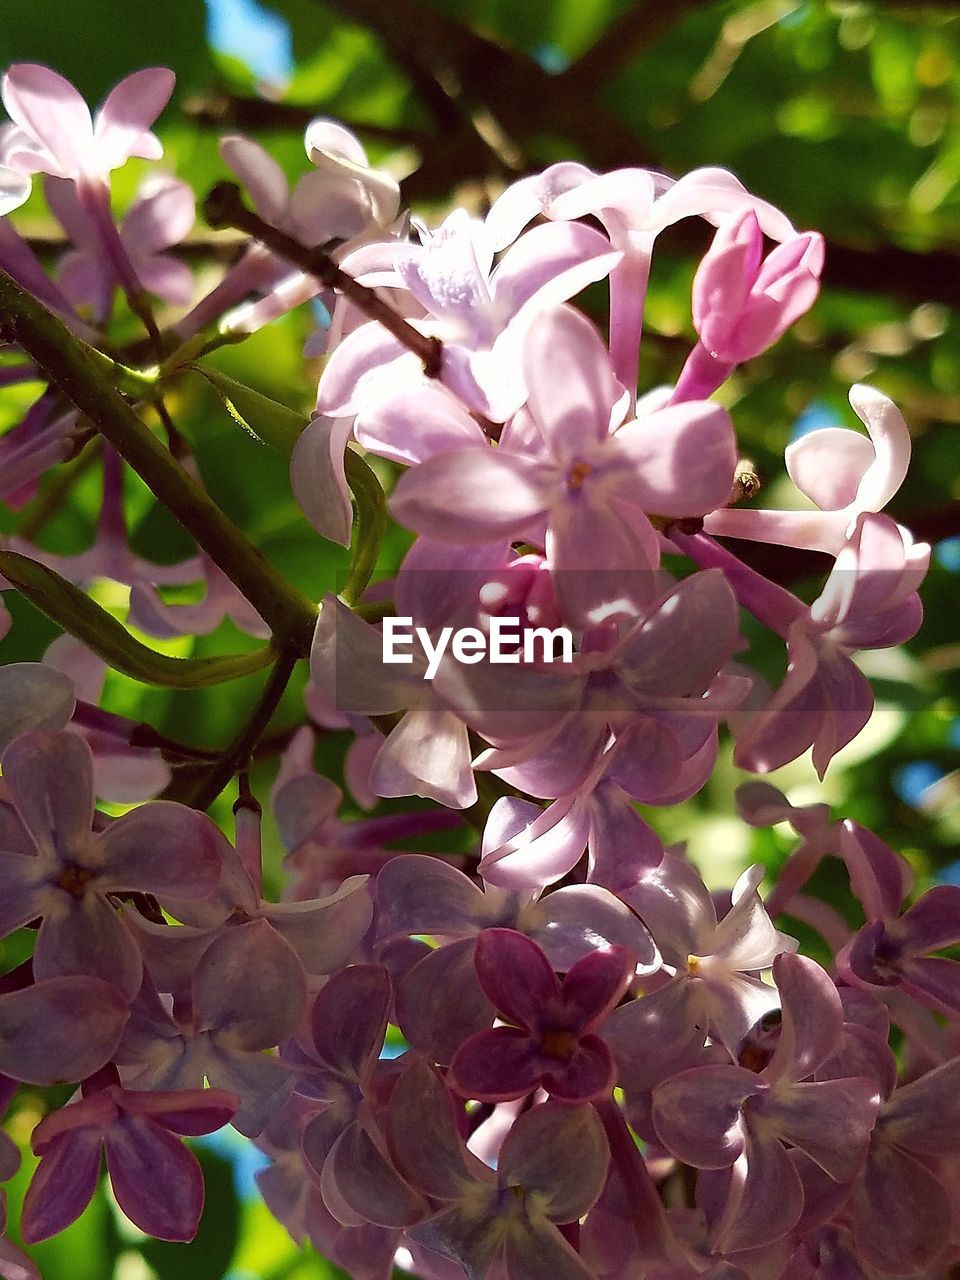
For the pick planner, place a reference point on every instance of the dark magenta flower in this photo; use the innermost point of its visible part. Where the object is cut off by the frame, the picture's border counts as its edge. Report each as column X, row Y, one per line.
column 552, row 1044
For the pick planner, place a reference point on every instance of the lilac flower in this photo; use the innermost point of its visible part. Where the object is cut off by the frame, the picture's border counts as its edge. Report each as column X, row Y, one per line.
column 159, row 218
column 247, row 993
column 54, row 866
column 713, row 991
column 550, row 1171
column 719, row 1117
column 552, row 1042
column 54, row 132
column 480, row 312
column 156, row 1180
column 893, row 950
column 844, row 472
column 634, row 206
column 904, row 1201
column 869, row 602
column 591, row 482
column 417, row 894
column 742, row 305
column 33, row 696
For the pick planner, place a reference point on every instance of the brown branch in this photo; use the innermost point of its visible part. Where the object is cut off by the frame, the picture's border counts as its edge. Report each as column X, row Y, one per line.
column 224, row 206
column 219, row 109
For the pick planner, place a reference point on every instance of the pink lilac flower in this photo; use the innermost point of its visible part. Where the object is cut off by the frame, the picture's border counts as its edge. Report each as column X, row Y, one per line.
column 590, row 482
column 552, row 1043
column 742, row 302
column 714, row 990
column 247, row 993
column 845, row 473
column 156, row 1180
column 53, row 131
column 479, row 311
column 550, row 1171
column 633, row 206
column 54, row 865
column 33, row 696
column 160, row 217
column 720, row 1117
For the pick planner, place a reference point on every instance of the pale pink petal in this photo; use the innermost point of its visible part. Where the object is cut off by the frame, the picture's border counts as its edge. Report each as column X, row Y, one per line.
column 427, row 754
column 123, row 122
column 828, row 465
column 318, row 479
column 260, row 174
column 51, row 111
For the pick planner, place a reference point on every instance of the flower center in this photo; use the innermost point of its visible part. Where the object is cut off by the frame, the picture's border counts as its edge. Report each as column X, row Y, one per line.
column 74, row 880
column 558, row 1044
column 577, row 474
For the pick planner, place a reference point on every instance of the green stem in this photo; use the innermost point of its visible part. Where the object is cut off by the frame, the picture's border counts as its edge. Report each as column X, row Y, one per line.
column 369, row 526
column 236, row 758
column 75, row 370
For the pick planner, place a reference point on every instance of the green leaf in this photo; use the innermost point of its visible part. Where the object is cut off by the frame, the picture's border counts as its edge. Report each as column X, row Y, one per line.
column 370, row 524
column 264, row 418
column 75, row 612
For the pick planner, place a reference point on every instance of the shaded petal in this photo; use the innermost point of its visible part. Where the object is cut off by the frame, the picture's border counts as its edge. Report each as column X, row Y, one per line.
column 123, row 122
column 657, row 1035
column 925, row 1114
column 934, row 919
column 157, row 1181
column 559, row 1152
column 427, row 754
column 440, row 1003
column 89, row 937
column 570, row 922
column 318, row 479
column 324, row 932
column 516, row 977
column 697, row 1114
column 260, row 174
column 50, row 776
column 346, row 662
column 368, row 1182
column 249, row 985
column 623, row 848
column 497, row 1065
column 812, row 1018
column 349, row 1019
column 33, row 696
column 62, row 1186
column 879, row 877
column 423, row 1138
column 448, row 495
column 901, row 1213
column 61, row 1029
column 418, row 894
column 831, row 1121
column 261, row 1082
column 934, row 981
column 541, row 1253
column 162, row 848
column 765, row 1200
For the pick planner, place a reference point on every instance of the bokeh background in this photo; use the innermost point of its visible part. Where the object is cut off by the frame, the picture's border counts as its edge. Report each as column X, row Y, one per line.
column 847, row 115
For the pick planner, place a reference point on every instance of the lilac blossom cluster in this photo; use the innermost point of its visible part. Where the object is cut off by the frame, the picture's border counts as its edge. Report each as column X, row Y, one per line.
column 556, row 1056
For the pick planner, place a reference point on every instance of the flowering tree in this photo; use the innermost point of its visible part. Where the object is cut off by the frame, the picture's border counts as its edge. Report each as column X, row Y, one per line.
column 503, row 1029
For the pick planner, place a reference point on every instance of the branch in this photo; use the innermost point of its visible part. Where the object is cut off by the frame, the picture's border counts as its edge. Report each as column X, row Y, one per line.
column 218, row 109
column 76, row 370
column 224, row 207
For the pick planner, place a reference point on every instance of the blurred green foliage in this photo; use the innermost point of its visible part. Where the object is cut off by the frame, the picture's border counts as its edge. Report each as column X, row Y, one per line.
column 847, row 115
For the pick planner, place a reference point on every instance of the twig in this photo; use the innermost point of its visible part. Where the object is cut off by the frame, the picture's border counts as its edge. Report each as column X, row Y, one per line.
column 74, row 369
column 224, row 207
